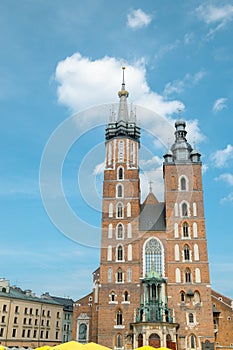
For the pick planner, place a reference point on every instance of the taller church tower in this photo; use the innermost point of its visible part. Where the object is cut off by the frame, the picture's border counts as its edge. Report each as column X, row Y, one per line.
column 120, row 267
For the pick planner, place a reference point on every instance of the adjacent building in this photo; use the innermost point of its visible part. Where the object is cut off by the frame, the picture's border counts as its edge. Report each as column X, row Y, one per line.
column 153, row 284
column 26, row 320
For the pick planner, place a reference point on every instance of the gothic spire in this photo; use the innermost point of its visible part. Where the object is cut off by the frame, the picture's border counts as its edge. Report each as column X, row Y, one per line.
column 123, row 94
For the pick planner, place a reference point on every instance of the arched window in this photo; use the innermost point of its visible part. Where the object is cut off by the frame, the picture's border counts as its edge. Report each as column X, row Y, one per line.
column 120, row 173
column 198, row 275
column 119, row 341
column 196, row 252
column 153, row 256
column 128, row 209
column 120, row 231
column 110, row 275
column 178, row 279
column 113, row 296
column 130, row 252
column 195, row 233
column 109, row 258
column 120, row 253
column 119, row 210
column 126, row 296
column 194, row 209
column 110, row 210
column 182, row 297
column 140, row 340
column 82, row 333
column 129, row 230
column 185, row 230
column 121, row 151
column 186, row 253
column 188, row 276
column 184, row 209
column 119, row 190
column 110, row 231
column 191, row 318
column 183, row 184
column 197, row 297
column 109, row 153
column 132, row 153
column 192, row 341
column 129, row 274
column 119, row 317
column 177, row 252
column 176, row 210
column 119, row 275
column 176, row 233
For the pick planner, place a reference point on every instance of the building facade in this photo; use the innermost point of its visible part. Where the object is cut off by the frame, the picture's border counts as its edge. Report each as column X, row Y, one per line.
column 26, row 320
column 153, row 285
column 67, row 316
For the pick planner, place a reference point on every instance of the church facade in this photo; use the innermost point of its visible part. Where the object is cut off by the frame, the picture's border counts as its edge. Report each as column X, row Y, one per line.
column 153, row 283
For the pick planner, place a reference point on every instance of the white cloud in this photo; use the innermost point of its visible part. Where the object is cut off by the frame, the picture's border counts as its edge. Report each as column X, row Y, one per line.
column 228, row 198
column 216, row 16
column 178, row 86
column 99, row 169
column 219, row 104
column 163, row 50
column 227, row 177
column 83, row 83
column 221, row 157
column 138, row 19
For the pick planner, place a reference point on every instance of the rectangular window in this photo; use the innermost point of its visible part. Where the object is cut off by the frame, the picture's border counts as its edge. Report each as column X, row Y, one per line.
column 47, row 323
column 3, row 319
column 43, row 312
column 47, row 334
column 4, row 308
column 31, row 311
column 34, row 334
column 29, row 333
column 48, row 313
column 23, row 333
column 24, row 320
column 13, row 332
column 41, row 334
column 58, row 314
column 36, row 322
column 57, row 334
column 1, row 332
column 15, row 320
column 37, row 312
column 16, row 309
column 25, row 310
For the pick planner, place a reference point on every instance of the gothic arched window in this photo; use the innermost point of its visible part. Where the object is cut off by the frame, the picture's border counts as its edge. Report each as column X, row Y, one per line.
column 183, row 184
column 182, row 297
column 186, row 252
column 153, row 256
column 184, row 209
column 120, row 173
column 121, row 151
column 188, row 276
column 119, row 317
column 120, row 253
column 119, row 341
column 192, row 341
column 119, row 191
column 185, row 229
column 191, row 318
column 120, row 210
column 126, row 296
column 119, row 275
column 120, row 231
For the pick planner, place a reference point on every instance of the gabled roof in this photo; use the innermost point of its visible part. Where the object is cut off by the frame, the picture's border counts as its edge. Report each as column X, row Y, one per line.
column 152, row 214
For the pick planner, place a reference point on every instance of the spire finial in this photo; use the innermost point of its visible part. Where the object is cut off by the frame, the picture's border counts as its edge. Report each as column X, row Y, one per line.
column 123, row 92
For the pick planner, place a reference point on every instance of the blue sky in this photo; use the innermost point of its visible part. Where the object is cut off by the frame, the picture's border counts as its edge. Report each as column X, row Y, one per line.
column 63, row 58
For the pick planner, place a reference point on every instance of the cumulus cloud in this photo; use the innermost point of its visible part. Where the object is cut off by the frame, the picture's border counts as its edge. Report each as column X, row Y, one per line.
column 138, row 19
column 222, row 157
column 227, row 177
column 227, row 199
column 84, row 83
column 218, row 17
column 178, row 86
column 219, row 104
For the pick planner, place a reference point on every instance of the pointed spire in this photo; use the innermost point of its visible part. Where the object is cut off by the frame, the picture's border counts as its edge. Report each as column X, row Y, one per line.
column 123, row 94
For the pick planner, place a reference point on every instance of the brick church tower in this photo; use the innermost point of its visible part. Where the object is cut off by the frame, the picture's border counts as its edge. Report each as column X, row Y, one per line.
column 153, row 284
